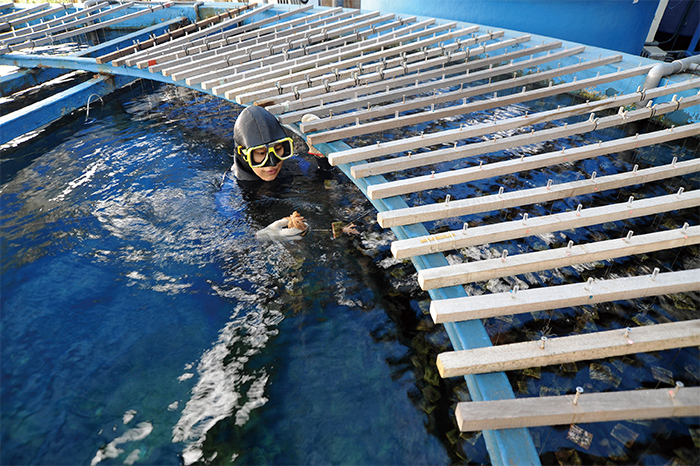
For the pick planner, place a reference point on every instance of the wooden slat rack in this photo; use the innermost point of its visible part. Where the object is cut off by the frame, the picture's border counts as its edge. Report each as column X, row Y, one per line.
column 355, row 77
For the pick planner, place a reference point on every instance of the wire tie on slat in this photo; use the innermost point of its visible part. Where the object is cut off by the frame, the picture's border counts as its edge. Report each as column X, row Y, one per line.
column 655, row 273
column 680, row 191
column 672, row 393
column 673, row 162
column 684, row 230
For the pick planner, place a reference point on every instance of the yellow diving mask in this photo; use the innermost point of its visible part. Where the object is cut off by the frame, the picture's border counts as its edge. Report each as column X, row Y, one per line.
column 269, row 154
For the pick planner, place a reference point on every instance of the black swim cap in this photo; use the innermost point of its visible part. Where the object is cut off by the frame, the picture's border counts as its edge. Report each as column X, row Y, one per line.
column 256, row 126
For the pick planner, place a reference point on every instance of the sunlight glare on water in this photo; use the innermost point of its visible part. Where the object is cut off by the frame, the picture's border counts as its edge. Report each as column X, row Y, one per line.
column 142, row 323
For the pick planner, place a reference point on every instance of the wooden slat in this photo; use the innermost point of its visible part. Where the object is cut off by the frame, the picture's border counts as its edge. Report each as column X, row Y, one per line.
column 344, row 63
column 509, row 142
column 228, row 82
column 241, row 47
column 558, row 297
column 55, row 26
column 23, row 12
column 231, row 80
column 554, row 258
column 406, row 29
column 194, row 38
column 437, row 180
column 390, row 90
column 405, row 144
column 462, row 93
column 399, row 121
column 167, row 36
column 591, row 407
column 317, row 104
column 217, row 53
column 504, row 231
column 562, row 350
column 25, row 19
column 404, row 60
column 458, row 208
column 164, row 59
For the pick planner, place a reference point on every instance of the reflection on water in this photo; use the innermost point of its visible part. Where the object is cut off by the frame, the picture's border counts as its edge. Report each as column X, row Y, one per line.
column 142, row 323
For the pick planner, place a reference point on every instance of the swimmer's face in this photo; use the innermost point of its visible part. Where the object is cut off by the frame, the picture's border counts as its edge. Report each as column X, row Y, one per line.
column 267, row 173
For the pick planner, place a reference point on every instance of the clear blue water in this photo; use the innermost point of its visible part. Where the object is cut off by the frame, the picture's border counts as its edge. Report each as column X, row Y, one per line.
column 143, row 323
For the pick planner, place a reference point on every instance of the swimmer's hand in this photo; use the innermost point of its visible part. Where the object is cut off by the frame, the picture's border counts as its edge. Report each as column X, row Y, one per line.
column 279, row 231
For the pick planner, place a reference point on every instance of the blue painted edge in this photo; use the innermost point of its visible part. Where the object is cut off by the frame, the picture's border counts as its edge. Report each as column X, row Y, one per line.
column 507, row 446
column 24, row 79
column 33, row 117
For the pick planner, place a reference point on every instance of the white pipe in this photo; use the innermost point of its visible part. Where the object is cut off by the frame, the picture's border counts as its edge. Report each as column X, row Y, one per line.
column 665, row 69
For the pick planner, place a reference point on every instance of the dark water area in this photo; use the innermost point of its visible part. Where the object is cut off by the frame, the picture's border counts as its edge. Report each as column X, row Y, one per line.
column 660, row 441
column 143, row 323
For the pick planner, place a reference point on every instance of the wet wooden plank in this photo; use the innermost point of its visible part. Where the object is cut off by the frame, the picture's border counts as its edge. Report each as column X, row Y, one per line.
column 43, row 33
column 346, row 67
column 321, row 48
column 462, row 93
column 558, row 297
column 510, row 199
column 390, row 90
column 553, row 258
column 456, row 239
column 165, row 37
column 217, row 53
column 561, row 350
column 339, row 99
column 449, row 136
column 591, row 407
column 464, row 175
column 508, row 142
column 250, row 46
column 194, row 38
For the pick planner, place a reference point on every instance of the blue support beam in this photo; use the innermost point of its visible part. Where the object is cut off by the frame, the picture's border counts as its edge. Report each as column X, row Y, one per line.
column 86, row 64
column 24, row 79
column 507, row 446
column 33, row 117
